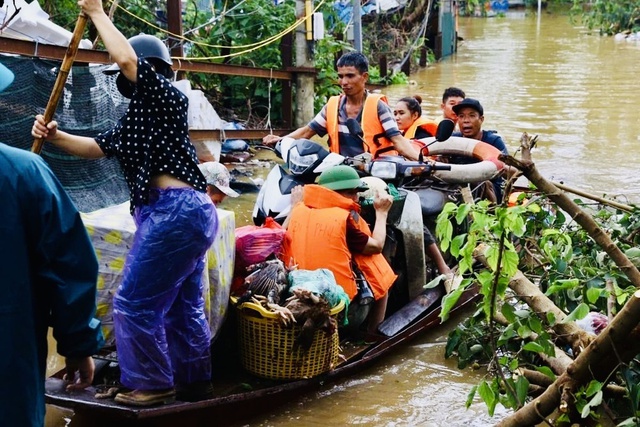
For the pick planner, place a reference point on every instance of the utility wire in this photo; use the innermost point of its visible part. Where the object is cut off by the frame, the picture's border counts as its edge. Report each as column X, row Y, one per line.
column 248, row 48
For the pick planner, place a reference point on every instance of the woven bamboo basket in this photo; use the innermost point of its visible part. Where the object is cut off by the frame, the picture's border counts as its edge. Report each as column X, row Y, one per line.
column 267, row 347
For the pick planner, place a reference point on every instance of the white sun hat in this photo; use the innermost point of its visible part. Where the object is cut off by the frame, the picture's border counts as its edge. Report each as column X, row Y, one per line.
column 217, row 175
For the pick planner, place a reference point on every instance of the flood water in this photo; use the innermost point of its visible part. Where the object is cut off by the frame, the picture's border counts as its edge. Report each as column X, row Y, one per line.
column 579, row 94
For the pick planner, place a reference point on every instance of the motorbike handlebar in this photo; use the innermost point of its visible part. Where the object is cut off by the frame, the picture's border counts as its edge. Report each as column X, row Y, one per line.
column 441, row 167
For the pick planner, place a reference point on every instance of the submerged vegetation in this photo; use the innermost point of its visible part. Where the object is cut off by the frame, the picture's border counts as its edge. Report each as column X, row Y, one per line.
column 539, row 272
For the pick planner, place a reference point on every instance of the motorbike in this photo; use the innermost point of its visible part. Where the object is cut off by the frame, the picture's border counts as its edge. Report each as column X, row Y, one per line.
column 423, row 188
column 303, row 162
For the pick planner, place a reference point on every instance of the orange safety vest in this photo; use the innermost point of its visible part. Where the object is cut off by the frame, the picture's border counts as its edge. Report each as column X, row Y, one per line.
column 317, row 238
column 424, row 123
column 374, row 135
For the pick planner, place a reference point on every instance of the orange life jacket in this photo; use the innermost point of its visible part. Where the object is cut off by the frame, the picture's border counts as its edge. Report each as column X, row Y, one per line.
column 317, row 238
column 374, row 135
column 424, row 123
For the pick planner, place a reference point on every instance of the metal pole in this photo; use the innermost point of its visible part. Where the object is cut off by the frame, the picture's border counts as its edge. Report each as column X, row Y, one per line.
column 357, row 26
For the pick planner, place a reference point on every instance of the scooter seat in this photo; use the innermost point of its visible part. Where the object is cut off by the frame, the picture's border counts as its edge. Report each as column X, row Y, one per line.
column 432, row 201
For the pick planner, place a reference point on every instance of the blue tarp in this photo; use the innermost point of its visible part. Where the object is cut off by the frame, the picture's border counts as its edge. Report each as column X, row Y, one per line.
column 344, row 9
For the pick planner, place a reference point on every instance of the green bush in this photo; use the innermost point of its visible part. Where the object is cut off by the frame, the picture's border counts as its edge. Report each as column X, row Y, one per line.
column 608, row 16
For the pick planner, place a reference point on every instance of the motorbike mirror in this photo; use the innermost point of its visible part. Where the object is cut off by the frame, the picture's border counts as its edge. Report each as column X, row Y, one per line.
column 354, row 128
column 443, row 132
column 445, row 129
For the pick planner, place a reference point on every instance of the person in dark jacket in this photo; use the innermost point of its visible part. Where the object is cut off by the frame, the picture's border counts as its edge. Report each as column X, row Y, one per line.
column 470, row 118
column 49, row 275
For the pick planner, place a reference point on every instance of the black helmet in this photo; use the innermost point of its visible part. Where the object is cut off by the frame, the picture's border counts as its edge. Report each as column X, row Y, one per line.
column 151, row 48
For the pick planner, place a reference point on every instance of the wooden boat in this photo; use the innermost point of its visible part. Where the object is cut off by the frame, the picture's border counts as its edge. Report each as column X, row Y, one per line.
column 240, row 395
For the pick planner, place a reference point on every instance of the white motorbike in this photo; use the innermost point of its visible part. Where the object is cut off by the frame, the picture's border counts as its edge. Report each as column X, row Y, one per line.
column 304, row 161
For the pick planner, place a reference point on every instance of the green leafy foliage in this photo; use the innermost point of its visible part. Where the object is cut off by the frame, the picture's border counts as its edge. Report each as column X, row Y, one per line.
column 551, row 251
column 608, row 16
column 588, row 398
column 233, row 39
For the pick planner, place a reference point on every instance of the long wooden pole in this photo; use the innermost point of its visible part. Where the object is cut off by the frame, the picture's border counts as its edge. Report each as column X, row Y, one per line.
column 61, row 79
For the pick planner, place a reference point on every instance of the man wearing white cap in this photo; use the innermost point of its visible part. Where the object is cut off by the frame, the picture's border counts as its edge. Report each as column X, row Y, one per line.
column 218, row 178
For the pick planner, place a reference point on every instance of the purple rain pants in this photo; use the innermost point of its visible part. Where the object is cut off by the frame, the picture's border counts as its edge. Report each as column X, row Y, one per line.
column 162, row 335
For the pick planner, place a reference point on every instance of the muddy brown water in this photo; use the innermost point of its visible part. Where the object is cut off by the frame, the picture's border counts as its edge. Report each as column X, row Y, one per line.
column 579, row 93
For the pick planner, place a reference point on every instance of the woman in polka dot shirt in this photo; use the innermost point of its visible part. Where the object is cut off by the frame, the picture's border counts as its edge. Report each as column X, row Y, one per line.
column 162, row 336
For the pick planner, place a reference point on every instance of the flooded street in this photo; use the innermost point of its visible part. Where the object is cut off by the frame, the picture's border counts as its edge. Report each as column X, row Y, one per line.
column 579, row 94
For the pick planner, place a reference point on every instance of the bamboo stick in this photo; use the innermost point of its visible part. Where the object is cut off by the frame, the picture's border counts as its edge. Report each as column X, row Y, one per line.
column 602, row 200
column 61, row 79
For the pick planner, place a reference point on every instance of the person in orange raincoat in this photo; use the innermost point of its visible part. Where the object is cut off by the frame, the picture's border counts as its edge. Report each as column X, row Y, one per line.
column 325, row 230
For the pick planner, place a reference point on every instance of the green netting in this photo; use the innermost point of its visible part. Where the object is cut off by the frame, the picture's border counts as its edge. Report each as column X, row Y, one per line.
column 90, row 104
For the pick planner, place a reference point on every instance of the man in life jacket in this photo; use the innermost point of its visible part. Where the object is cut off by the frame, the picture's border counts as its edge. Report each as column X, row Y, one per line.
column 470, row 118
column 371, row 111
column 326, row 231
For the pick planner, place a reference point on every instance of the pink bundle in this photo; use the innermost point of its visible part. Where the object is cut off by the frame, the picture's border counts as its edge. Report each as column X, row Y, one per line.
column 255, row 244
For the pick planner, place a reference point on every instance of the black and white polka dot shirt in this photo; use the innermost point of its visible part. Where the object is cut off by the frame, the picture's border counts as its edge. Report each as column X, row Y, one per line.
column 152, row 137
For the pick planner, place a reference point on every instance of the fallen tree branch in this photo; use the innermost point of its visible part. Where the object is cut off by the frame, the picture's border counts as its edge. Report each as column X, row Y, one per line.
column 540, row 379
column 582, row 218
column 613, row 204
column 596, row 360
column 568, row 332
